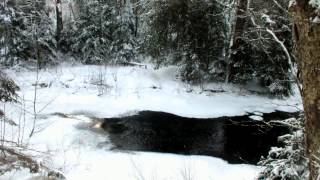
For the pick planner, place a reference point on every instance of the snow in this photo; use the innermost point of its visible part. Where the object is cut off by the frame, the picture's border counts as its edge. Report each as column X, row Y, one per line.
column 22, row 174
column 257, row 118
column 292, row 3
column 151, row 166
column 71, row 97
column 316, row 19
column 315, row 3
column 76, row 89
column 5, row 18
column 268, row 19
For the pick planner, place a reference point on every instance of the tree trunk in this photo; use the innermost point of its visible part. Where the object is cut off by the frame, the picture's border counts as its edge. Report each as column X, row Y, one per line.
column 237, row 30
column 307, row 41
column 241, row 19
column 136, row 14
column 59, row 21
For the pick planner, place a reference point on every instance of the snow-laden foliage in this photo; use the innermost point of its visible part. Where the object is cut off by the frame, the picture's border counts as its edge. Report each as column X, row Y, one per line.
column 315, row 3
column 190, row 34
column 101, row 33
column 8, row 88
column 89, row 35
column 287, row 162
column 258, row 55
column 316, row 16
column 123, row 48
column 26, row 33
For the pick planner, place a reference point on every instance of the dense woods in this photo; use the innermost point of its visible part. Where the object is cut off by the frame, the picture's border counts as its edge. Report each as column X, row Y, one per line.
column 268, row 48
column 211, row 41
column 27, row 34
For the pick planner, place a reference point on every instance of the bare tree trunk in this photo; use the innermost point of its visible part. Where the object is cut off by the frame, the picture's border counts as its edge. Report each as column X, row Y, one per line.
column 136, row 12
column 59, row 21
column 120, row 4
column 229, row 36
column 307, row 41
column 241, row 19
column 238, row 30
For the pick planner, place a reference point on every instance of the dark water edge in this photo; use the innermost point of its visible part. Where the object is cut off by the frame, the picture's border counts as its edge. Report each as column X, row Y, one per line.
column 237, row 139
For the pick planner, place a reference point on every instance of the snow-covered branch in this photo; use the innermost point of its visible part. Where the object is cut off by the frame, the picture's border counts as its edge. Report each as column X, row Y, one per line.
column 284, row 48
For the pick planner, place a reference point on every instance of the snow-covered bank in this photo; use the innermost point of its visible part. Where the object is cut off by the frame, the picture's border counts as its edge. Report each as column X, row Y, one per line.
column 81, row 152
column 109, row 91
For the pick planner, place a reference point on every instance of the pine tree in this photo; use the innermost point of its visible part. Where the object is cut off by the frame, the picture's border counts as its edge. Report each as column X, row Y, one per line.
column 123, row 46
column 190, row 34
column 25, row 26
column 90, row 33
column 100, row 34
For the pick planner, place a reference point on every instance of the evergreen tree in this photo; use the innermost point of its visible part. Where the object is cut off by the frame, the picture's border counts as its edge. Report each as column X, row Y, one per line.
column 26, row 33
column 8, row 89
column 123, row 47
column 100, row 35
column 190, row 34
column 256, row 55
column 90, row 34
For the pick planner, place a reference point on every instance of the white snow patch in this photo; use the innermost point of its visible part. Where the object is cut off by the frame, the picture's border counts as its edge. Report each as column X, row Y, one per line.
column 257, row 118
column 292, row 3
column 268, row 19
column 316, row 19
column 21, row 174
column 315, row 3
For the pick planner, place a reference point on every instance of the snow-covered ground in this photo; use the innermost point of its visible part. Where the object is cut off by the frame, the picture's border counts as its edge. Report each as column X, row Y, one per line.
column 70, row 97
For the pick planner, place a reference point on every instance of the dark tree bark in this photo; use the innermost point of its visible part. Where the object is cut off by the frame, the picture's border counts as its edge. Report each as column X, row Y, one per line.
column 307, row 41
column 120, row 4
column 59, row 21
column 136, row 14
column 238, row 30
column 241, row 19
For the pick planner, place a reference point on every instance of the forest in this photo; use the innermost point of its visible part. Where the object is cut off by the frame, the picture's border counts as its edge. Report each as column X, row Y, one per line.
column 160, row 89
